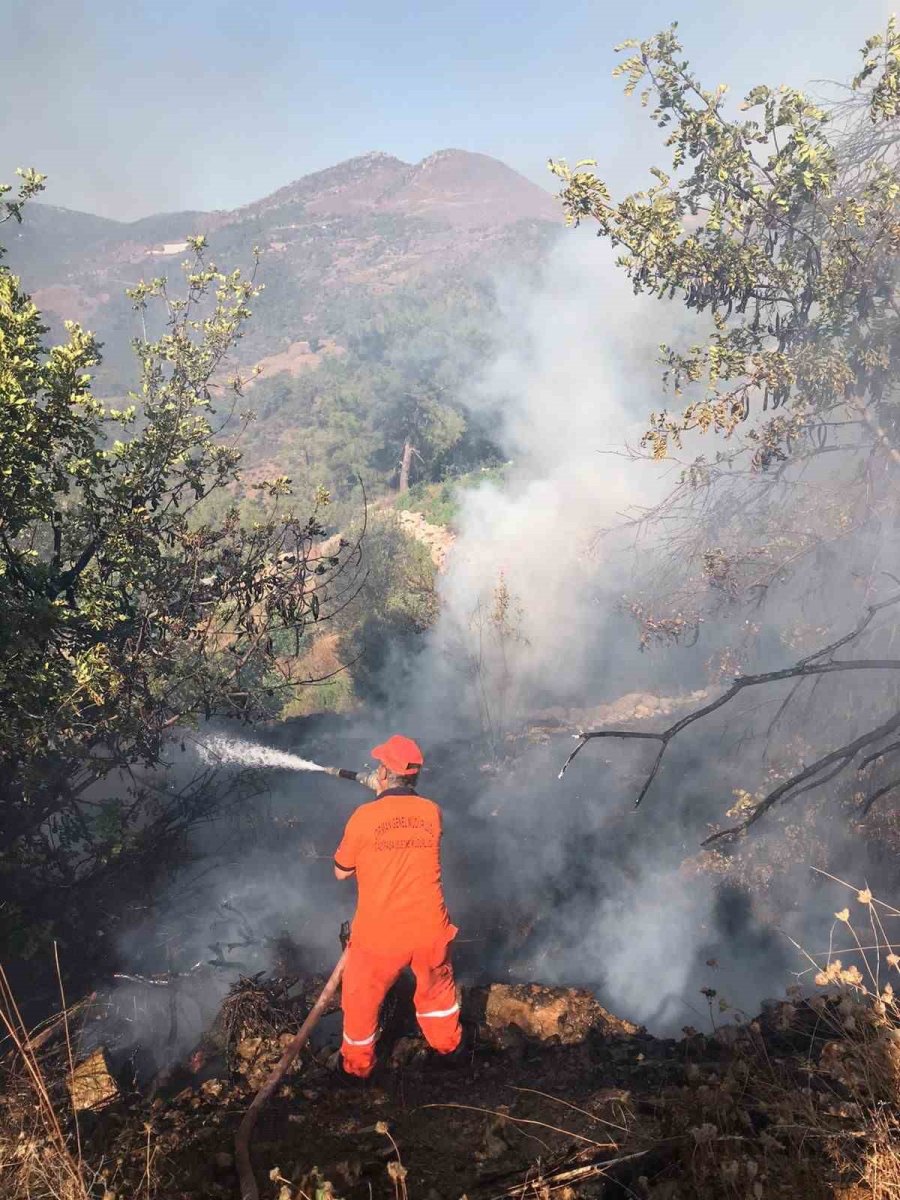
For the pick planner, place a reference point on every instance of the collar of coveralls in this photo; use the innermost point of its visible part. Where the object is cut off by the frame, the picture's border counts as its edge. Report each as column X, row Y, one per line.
column 397, row 791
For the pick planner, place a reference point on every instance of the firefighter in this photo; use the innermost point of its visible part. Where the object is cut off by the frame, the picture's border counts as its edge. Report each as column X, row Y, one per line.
column 392, row 845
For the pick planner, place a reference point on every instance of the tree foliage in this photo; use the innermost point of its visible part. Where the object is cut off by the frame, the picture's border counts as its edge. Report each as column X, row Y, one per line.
column 380, row 632
column 401, row 374
column 126, row 609
column 779, row 224
column 754, row 229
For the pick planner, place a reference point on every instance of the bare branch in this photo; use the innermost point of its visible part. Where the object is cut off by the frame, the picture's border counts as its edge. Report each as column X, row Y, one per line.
column 811, row 666
column 844, row 754
column 876, row 795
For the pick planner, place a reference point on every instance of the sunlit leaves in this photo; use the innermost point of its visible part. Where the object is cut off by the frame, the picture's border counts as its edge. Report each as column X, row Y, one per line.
column 31, row 183
column 125, row 607
column 755, row 227
column 881, row 62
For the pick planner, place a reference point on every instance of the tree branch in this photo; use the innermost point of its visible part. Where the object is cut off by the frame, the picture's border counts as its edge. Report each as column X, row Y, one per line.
column 70, row 577
column 805, row 668
column 844, row 754
column 882, row 791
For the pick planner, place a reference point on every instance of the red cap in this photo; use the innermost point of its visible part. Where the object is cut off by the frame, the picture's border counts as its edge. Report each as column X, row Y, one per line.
column 399, row 754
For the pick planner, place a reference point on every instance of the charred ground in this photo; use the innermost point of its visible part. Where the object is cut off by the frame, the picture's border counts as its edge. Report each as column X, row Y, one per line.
column 556, row 1098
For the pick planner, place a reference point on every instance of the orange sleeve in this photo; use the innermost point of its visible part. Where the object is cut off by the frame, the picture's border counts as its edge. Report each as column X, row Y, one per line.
column 346, row 853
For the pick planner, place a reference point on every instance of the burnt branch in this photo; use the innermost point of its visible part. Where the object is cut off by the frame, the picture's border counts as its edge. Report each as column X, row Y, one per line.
column 876, row 795
column 883, row 752
column 818, row 664
column 839, row 758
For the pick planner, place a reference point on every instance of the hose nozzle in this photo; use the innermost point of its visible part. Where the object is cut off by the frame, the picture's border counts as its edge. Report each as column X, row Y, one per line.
column 366, row 779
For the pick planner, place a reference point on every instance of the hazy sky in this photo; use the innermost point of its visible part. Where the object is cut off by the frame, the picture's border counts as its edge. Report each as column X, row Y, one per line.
column 132, row 107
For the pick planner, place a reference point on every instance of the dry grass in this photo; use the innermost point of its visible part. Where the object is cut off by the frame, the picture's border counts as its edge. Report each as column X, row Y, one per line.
column 801, row 1104
column 37, row 1158
column 858, row 1009
column 807, row 1103
column 41, row 1152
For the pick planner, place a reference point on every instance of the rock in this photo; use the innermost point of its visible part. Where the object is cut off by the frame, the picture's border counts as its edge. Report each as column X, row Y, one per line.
column 512, row 1040
column 567, row 1014
column 407, row 1050
column 437, row 539
column 91, row 1086
column 333, row 1061
column 495, row 1141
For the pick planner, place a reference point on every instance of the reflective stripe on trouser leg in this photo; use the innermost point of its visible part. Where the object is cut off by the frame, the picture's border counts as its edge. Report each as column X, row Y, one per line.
column 367, row 978
column 441, row 1012
column 437, row 1008
column 363, row 1041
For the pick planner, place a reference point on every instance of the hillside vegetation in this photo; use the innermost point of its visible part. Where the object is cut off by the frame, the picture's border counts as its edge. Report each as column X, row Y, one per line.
column 374, row 311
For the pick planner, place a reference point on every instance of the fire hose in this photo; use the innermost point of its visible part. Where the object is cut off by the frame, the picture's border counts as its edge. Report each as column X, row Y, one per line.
column 249, row 1190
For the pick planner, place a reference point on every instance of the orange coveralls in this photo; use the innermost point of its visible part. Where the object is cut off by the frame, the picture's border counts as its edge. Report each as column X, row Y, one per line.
column 392, row 843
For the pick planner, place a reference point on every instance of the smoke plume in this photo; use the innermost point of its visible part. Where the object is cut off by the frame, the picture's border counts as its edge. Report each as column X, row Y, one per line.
column 556, row 881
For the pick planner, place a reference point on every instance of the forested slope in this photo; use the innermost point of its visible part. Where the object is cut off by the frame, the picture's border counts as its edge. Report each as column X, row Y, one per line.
column 376, row 297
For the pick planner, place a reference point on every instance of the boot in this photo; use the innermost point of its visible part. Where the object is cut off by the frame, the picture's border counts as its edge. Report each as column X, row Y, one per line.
column 460, row 1057
column 342, row 1080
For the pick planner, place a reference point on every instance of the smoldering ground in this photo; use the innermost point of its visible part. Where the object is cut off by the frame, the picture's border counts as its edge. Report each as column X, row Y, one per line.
column 555, row 881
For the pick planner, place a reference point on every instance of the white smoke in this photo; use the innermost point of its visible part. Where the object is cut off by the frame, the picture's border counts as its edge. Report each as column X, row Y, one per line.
column 570, row 388
column 572, row 380
column 569, row 391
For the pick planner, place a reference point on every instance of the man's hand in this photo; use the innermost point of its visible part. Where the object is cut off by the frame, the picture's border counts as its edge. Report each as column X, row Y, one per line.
column 340, row 873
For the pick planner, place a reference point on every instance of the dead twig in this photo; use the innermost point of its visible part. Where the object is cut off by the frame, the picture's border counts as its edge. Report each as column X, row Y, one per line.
column 560, row 1177
column 567, row 1104
column 490, row 1112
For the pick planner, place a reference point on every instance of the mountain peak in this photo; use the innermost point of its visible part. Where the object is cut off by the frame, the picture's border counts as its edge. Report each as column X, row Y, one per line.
column 370, row 224
column 439, row 156
column 453, row 187
column 468, row 189
column 373, row 155
column 348, row 185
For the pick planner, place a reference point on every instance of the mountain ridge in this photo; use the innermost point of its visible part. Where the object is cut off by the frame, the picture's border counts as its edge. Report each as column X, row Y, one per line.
column 334, row 243
column 544, row 205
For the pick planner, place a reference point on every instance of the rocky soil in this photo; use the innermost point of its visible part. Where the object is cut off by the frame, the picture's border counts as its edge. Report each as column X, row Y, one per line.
column 554, row 1097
